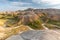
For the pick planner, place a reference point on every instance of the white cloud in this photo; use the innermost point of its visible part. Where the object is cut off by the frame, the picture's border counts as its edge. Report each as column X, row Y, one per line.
column 19, row 3
column 12, row 8
column 50, row 2
column 36, row 1
column 3, row 0
column 56, row 7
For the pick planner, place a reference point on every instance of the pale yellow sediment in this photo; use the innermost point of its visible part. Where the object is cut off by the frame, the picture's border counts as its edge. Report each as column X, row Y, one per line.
column 7, row 32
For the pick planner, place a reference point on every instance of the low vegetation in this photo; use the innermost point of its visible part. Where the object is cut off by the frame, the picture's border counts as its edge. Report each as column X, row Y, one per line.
column 35, row 24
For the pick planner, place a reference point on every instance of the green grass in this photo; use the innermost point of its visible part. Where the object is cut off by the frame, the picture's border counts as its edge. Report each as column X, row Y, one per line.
column 51, row 27
column 7, row 19
column 54, row 22
column 35, row 24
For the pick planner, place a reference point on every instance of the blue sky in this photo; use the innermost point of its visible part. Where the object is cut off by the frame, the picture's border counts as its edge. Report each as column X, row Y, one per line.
column 7, row 5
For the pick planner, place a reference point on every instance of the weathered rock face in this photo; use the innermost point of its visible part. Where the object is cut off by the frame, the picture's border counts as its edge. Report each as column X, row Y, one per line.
column 15, row 37
column 53, row 12
column 37, row 35
column 28, row 16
